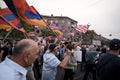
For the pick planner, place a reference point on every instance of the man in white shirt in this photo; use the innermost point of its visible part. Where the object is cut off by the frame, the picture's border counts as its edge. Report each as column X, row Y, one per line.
column 51, row 62
column 78, row 54
column 14, row 67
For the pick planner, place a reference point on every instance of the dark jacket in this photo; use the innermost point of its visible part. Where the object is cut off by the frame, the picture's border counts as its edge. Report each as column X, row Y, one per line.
column 108, row 67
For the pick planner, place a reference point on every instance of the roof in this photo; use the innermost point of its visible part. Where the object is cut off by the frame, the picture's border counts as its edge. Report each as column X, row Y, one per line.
column 59, row 17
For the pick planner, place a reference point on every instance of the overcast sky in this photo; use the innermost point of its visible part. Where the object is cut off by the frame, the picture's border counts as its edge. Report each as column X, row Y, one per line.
column 103, row 15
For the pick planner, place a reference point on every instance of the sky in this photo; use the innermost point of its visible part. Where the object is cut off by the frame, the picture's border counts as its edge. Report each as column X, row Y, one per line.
column 102, row 15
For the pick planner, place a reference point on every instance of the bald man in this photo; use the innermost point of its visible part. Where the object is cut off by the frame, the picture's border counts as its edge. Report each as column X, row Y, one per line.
column 14, row 67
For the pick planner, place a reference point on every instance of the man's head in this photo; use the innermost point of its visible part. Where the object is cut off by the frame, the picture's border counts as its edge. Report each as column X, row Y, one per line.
column 70, row 47
column 92, row 48
column 114, row 44
column 54, row 48
column 26, row 51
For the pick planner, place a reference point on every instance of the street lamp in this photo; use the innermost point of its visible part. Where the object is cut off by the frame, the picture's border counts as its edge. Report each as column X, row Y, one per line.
column 110, row 34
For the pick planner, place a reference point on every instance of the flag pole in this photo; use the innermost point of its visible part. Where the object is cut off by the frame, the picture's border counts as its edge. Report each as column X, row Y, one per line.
column 25, row 34
column 8, row 34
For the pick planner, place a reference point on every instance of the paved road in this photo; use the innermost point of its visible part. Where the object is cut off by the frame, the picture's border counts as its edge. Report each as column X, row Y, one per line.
column 77, row 76
column 80, row 73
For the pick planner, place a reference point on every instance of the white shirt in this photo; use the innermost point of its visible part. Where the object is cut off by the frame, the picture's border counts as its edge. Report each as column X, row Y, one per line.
column 78, row 48
column 9, row 70
column 78, row 54
column 49, row 66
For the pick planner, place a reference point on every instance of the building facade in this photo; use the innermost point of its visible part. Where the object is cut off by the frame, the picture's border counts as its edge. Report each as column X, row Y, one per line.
column 66, row 24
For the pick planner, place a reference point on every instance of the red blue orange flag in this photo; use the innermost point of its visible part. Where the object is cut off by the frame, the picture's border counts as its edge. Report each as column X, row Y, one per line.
column 25, row 12
column 58, row 32
column 8, row 19
column 4, row 24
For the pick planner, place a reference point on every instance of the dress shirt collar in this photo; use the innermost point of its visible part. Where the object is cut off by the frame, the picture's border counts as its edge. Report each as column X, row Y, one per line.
column 15, row 66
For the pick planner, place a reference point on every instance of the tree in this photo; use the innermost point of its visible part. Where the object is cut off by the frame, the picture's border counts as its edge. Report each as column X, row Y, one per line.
column 16, row 34
column 47, row 32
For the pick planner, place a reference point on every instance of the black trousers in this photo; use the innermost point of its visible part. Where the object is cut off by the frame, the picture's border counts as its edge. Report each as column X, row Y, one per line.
column 89, row 68
column 68, row 74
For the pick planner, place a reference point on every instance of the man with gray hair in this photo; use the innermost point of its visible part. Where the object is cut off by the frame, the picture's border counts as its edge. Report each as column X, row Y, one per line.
column 24, row 54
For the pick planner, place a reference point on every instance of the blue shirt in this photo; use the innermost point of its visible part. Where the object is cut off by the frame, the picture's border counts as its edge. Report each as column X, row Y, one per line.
column 9, row 70
column 50, row 64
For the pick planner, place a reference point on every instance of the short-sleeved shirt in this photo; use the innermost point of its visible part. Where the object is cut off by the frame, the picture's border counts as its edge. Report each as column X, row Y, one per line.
column 50, row 64
column 9, row 70
column 78, row 56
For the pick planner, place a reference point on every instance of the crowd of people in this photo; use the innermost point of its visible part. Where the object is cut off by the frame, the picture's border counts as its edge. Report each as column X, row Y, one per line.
column 30, row 60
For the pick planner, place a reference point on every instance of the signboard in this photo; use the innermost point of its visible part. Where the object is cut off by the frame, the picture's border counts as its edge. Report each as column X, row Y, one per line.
column 96, row 42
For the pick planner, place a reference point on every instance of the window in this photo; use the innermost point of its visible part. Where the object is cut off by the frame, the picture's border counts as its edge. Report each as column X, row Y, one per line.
column 63, row 21
column 51, row 21
column 56, row 21
column 68, row 22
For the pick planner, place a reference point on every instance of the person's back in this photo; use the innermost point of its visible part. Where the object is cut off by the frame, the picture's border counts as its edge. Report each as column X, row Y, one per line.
column 78, row 54
column 49, row 66
column 109, row 67
column 9, row 68
column 90, row 55
column 109, row 64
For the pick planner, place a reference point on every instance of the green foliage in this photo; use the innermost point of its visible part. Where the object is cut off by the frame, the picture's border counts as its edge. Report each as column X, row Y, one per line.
column 15, row 34
column 3, row 32
column 47, row 32
column 26, row 26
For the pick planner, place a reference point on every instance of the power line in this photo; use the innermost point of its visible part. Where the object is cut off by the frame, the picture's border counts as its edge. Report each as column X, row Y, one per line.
column 95, row 3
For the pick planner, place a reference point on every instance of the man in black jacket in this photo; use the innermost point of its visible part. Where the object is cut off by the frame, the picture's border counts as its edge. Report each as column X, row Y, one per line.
column 109, row 64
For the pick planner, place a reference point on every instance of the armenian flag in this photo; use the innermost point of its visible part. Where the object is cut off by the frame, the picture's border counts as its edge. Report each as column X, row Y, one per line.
column 8, row 19
column 25, row 12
